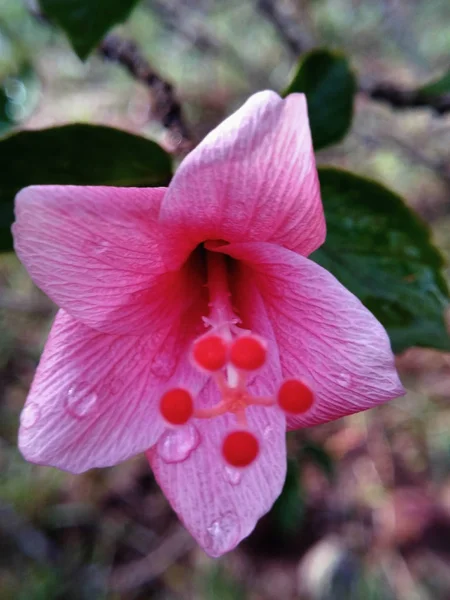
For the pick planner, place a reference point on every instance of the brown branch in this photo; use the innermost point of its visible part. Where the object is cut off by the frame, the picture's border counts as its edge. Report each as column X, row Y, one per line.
column 403, row 98
column 288, row 29
column 285, row 24
column 167, row 108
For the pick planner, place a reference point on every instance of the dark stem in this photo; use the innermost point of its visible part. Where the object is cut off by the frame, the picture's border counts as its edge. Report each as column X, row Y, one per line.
column 403, row 98
column 284, row 22
column 167, row 108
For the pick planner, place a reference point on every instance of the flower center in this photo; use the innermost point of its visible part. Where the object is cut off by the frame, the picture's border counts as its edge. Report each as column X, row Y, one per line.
column 228, row 353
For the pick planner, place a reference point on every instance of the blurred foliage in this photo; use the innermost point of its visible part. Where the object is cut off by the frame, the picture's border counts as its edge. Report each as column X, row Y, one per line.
column 330, row 87
column 438, row 87
column 288, row 510
column 369, row 495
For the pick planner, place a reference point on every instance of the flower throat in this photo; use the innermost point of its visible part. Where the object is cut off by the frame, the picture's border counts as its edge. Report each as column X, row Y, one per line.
column 228, row 354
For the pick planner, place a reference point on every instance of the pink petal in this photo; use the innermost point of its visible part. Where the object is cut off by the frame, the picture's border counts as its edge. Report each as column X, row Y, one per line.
column 97, row 252
column 252, row 178
column 94, row 400
column 220, row 505
column 324, row 333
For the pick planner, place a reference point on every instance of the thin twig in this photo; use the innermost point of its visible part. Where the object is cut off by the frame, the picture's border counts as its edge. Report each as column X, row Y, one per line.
column 181, row 20
column 285, row 24
column 403, row 98
column 166, row 106
column 388, row 93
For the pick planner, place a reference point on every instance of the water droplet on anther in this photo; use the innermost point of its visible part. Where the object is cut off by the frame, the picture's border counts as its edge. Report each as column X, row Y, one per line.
column 233, row 476
column 176, row 445
column 81, row 401
column 223, row 532
column 344, row 379
column 30, row 414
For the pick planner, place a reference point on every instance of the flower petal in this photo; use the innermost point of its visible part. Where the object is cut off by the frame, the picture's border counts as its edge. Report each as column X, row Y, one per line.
column 252, row 178
column 220, row 505
column 97, row 252
column 94, row 399
column 324, row 332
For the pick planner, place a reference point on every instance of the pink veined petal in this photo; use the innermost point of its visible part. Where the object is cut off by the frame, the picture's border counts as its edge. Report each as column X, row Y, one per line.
column 97, row 252
column 219, row 505
column 324, row 333
column 95, row 396
column 252, row 178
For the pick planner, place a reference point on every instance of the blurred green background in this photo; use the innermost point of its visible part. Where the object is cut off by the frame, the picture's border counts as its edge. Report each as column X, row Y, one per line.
column 366, row 509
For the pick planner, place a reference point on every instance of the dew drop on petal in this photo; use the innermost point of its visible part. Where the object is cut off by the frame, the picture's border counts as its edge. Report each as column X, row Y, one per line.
column 233, row 476
column 101, row 247
column 344, row 379
column 30, row 415
column 176, row 445
column 81, row 401
column 269, row 434
column 164, row 365
column 223, row 532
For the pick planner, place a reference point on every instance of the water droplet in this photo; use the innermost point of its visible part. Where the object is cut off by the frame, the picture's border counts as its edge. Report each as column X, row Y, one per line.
column 269, row 434
column 101, row 247
column 30, row 415
column 81, row 401
column 223, row 532
column 344, row 379
column 233, row 476
column 164, row 365
column 176, row 445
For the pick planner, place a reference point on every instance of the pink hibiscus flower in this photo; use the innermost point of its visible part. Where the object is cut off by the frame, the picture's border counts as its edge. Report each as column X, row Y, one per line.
column 192, row 325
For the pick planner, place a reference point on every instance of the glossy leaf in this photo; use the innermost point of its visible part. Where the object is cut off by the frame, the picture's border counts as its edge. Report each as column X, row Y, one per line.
column 87, row 21
column 330, row 86
column 380, row 250
column 78, row 155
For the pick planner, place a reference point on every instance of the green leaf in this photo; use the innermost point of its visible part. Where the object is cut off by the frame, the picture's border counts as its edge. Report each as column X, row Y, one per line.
column 330, row 87
column 87, row 21
column 79, row 155
column 438, row 87
column 289, row 507
column 317, row 454
column 380, row 250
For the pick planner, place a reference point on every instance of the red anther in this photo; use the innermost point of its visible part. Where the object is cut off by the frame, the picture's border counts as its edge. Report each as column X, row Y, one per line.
column 176, row 406
column 294, row 396
column 240, row 448
column 248, row 353
column 210, row 352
